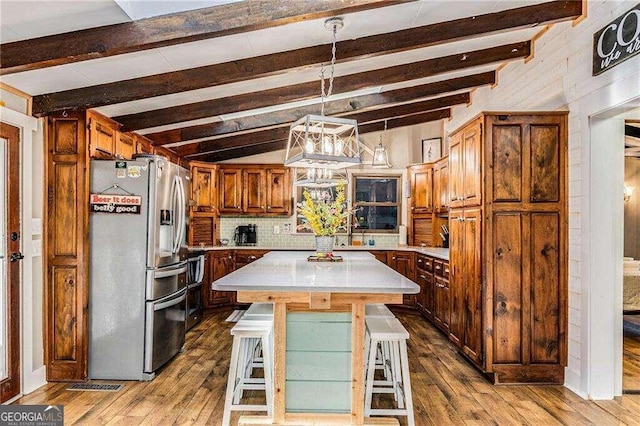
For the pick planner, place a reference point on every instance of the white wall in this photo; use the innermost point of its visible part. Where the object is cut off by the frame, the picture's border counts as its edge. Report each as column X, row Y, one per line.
column 559, row 78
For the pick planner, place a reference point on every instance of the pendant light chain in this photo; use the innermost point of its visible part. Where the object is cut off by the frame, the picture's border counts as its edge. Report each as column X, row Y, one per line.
column 324, row 95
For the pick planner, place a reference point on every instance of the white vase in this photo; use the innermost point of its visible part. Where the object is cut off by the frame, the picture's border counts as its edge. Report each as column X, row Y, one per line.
column 324, row 244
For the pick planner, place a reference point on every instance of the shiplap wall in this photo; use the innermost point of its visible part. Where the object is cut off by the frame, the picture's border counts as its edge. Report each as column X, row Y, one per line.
column 559, row 78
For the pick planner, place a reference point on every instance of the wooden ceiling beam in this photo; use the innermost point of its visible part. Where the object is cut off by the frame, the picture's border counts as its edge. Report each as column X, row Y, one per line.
column 276, row 133
column 338, row 107
column 262, row 146
column 169, row 30
column 279, row 63
column 347, row 83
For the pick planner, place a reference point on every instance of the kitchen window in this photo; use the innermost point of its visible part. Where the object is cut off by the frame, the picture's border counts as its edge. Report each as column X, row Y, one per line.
column 377, row 203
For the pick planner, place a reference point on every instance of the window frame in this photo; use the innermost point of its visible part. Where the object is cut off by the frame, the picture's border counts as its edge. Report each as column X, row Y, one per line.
column 398, row 204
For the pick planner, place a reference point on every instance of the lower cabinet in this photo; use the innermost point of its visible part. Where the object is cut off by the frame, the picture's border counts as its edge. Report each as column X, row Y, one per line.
column 424, row 278
column 403, row 262
column 442, row 297
column 244, row 257
column 217, row 265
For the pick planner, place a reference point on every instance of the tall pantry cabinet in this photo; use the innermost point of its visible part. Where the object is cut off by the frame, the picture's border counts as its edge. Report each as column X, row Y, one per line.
column 508, row 247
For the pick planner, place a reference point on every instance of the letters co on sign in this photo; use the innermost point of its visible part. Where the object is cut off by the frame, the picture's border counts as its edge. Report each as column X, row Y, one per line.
column 617, row 42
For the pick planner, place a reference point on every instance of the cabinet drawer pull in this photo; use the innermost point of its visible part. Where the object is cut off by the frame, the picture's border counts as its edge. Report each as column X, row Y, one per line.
column 447, row 270
column 268, row 207
column 419, row 260
column 252, row 257
column 393, row 258
column 438, row 267
column 423, row 277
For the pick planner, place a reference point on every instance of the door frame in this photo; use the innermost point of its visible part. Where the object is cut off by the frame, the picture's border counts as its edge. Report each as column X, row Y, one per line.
column 602, row 237
column 33, row 372
column 10, row 386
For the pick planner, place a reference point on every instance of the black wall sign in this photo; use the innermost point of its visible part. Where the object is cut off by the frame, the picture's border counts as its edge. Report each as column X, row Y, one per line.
column 617, row 42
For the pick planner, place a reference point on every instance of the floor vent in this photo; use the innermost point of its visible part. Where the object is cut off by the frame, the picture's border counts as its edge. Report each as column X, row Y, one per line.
column 631, row 392
column 99, row 387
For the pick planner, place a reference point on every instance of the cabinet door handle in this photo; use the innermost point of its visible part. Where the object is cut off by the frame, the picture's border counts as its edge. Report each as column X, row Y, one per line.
column 419, row 260
column 423, row 277
column 252, row 257
column 393, row 258
column 447, row 270
column 412, row 208
column 437, row 267
column 268, row 207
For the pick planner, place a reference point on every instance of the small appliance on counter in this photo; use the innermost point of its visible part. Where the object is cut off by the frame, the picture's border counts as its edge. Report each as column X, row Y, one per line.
column 246, row 235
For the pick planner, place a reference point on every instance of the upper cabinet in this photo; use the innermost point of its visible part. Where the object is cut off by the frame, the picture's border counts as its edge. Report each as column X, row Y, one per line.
column 258, row 190
column 203, row 187
column 465, row 159
column 230, row 190
column 279, row 191
column 125, row 145
column 441, row 186
column 102, row 135
column 421, row 176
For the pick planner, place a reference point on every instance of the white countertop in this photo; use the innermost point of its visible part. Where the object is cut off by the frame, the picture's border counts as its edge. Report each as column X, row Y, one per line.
column 440, row 253
column 290, row 271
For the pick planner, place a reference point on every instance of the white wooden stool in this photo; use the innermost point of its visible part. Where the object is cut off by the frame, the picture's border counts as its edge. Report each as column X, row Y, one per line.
column 246, row 335
column 383, row 362
column 383, row 330
column 261, row 312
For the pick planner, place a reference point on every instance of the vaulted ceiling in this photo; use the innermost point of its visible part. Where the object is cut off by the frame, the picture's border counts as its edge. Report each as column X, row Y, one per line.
column 226, row 81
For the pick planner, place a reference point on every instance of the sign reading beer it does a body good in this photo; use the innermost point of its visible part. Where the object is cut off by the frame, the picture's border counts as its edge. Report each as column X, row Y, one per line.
column 617, row 42
column 116, row 204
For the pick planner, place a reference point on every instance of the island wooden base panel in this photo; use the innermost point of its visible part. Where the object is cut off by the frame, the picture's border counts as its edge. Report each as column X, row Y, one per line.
column 446, row 389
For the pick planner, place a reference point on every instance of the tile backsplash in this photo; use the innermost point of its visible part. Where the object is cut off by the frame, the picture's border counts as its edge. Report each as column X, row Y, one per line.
column 268, row 238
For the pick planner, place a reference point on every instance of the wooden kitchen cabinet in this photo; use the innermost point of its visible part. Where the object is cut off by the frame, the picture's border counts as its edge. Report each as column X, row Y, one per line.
column 279, row 191
column 254, row 194
column 441, row 186
column 508, row 245
column 421, row 176
column 125, row 145
column 404, row 263
column 230, row 191
column 66, row 250
column 204, row 194
column 442, row 305
column 143, row 145
column 254, row 190
column 420, row 219
column 465, row 160
column 245, row 257
column 101, row 135
column 218, row 264
column 424, row 278
column 465, row 283
column 380, row 255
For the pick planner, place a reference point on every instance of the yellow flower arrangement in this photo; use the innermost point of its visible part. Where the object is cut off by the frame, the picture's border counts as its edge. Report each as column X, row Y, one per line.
column 324, row 217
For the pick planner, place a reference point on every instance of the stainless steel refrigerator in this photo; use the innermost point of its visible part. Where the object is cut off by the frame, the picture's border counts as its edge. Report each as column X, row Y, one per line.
column 138, row 233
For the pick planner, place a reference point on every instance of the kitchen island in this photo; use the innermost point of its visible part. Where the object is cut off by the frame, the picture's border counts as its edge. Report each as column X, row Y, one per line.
column 324, row 292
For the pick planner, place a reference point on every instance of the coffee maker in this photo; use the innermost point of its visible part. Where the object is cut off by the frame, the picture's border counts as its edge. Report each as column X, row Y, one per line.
column 245, row 235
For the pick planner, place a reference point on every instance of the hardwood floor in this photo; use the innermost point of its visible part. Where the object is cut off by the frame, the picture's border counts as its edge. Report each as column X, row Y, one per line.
column 446, row 390
column 631, row 354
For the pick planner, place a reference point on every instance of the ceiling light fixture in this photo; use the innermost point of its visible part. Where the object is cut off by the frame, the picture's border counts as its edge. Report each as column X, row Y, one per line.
column 321, row 142
column 380, row 157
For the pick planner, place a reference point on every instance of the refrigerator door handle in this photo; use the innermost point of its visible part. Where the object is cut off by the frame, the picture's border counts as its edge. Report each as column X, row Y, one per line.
column 183, row 212
column 179, row 200
column 163, row 305
column 170, row 272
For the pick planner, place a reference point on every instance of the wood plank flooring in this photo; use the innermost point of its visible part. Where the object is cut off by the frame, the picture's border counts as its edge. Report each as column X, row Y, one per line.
column 446, row 390
column 631, row 354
